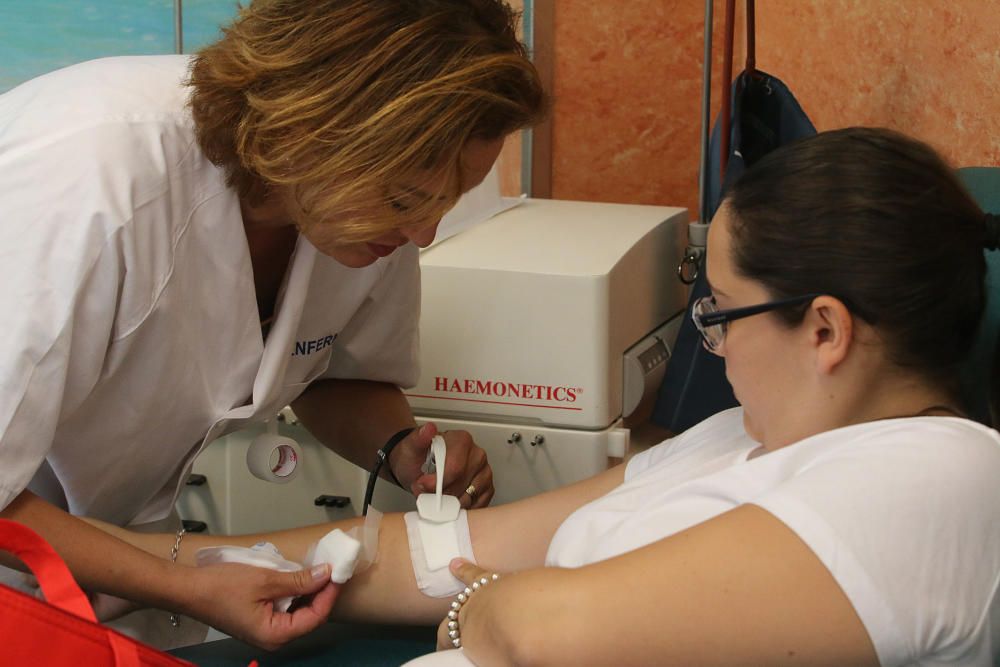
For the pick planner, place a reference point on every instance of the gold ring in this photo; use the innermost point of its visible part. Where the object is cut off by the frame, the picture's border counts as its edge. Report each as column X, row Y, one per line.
column 471, row 491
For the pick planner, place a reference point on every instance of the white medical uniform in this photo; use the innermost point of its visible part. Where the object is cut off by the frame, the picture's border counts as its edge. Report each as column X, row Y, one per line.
column 905, row 513
column 130, row 334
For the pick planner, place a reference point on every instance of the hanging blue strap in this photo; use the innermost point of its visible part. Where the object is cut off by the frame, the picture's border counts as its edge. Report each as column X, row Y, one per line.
column 765, row 115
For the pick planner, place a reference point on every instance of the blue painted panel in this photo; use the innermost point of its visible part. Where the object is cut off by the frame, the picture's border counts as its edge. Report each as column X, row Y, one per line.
column 39, row 36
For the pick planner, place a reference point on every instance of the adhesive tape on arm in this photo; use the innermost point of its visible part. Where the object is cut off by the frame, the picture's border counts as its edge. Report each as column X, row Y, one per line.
column 432, row 546
column 274, row 458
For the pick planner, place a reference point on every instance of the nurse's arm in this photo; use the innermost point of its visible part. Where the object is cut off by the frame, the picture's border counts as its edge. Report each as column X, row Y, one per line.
column 354, row 417
column 98, row 561
column 233, row 598
column 505, row 538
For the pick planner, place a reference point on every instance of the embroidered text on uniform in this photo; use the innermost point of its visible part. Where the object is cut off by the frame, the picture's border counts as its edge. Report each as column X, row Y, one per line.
column 306, row 347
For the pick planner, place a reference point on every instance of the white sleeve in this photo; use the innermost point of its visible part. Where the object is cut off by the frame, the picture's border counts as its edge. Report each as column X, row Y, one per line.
column 58, row 298
column 64, row 197
column 381, row 341
column 719, row 433
column 910, row 529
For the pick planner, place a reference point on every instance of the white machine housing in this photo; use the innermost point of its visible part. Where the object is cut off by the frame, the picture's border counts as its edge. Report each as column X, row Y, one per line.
column 527, row 317
column 543, row 327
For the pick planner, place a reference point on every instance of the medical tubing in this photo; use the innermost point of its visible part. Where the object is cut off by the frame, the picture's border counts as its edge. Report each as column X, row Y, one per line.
column 381, row 457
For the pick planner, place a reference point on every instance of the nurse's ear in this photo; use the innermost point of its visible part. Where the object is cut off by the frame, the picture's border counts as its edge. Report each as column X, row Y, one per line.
column 830, row 327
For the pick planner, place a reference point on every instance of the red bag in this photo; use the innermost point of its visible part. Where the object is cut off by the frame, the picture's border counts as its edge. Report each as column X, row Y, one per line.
column 63, row 630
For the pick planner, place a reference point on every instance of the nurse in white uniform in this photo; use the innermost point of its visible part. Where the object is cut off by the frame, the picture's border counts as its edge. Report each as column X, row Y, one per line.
column 190, row 244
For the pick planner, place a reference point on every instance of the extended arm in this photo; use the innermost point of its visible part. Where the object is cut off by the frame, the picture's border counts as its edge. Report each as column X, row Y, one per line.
column 504, row 538
column 507, row 537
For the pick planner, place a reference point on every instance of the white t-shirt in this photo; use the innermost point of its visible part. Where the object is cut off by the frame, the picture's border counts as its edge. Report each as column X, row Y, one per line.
column 905, row 513
column 131, row 335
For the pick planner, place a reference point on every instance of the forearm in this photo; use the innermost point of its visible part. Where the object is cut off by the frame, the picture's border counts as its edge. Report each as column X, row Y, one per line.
column 100, row 561
column 387, row 591
column 354, row 417
column 292, row 543
column 505, row 538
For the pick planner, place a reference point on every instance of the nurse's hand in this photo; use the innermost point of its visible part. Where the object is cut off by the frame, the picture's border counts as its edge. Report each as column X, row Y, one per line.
column 467, row 473
column 237, row 599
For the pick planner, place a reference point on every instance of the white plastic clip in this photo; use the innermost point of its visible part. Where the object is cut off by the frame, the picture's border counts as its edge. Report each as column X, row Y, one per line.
column 437, row 507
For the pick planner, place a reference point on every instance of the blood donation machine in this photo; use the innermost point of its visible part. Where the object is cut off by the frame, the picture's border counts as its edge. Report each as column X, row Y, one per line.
column 545, row 326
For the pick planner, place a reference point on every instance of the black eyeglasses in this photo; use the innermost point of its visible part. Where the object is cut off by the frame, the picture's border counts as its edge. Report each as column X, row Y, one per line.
column 711, row 322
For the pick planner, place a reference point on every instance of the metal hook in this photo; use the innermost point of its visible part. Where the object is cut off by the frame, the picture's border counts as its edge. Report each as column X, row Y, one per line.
column 692, row 258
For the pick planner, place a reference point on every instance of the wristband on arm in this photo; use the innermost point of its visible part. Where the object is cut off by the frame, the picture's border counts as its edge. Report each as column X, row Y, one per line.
column 381, row 457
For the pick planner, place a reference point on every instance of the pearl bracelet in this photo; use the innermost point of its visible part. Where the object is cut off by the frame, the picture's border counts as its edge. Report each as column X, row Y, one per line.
column 456, row 606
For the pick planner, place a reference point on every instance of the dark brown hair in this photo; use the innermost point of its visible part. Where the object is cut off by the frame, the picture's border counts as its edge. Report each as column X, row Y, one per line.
column 878, row 220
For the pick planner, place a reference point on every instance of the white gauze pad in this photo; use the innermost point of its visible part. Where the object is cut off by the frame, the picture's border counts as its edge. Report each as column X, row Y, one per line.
column 338, row 549
column 262, row 554
column 432, row 547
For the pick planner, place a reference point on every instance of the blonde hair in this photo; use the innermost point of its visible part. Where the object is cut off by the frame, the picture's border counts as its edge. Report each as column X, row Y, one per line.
column 335, row 100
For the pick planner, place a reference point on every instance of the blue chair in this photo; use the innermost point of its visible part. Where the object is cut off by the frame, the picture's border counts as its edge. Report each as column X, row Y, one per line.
column 983, row 366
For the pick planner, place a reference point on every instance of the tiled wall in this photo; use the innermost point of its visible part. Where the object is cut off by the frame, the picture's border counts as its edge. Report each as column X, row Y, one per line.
column 628, row 82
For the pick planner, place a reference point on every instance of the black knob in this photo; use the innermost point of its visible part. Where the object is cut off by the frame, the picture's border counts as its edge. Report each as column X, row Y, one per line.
column 194, row 526
column 332, row 501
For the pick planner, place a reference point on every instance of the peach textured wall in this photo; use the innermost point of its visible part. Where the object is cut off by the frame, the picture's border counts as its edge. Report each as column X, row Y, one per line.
column 628, row 82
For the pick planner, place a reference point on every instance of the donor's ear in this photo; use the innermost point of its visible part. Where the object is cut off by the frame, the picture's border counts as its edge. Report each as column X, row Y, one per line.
column 830, row 327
